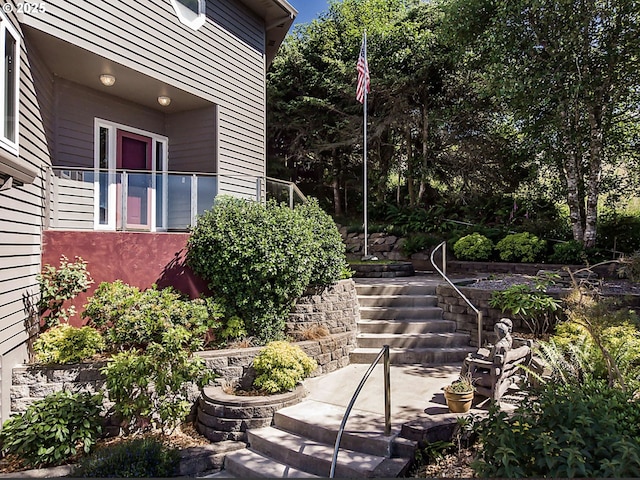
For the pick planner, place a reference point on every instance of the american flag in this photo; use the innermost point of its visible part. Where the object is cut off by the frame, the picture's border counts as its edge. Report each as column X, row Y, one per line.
column 363, row 72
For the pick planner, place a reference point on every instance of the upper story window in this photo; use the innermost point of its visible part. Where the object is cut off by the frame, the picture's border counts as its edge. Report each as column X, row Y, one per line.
column 190, row 12
column 9, row 85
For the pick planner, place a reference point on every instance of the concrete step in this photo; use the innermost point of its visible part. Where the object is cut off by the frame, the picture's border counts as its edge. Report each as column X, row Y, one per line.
column 364, row 431
column 248, row 463
column 404, row 356
column 315, row 457
column 373, row 289
column 400, row 313
column 406, row 326
column 412, row 340
column 398, row 300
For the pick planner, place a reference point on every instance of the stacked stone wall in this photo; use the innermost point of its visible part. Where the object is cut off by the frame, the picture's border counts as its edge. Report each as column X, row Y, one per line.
column 335, row 307
column 456, row 309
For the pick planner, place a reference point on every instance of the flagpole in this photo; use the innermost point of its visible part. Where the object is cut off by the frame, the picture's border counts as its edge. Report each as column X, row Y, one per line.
column 366, row 233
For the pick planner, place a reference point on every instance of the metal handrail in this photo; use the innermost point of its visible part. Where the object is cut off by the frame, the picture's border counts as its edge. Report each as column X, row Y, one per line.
column 387, row 404
column 443, row 273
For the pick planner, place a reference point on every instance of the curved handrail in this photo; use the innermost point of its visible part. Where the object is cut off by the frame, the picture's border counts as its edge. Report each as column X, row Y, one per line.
column 387, row 404
column 444, row 275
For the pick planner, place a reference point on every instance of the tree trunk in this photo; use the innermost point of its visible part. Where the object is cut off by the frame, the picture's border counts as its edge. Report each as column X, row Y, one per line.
column 572, row 173
column 335, row 185
column 593, row 179
column 410, row 187
column 425, row 150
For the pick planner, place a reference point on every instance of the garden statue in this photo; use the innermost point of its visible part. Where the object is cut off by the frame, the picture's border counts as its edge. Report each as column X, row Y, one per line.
column 504, row 342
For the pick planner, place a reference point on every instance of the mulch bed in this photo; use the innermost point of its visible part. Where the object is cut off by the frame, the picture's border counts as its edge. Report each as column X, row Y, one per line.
column 184, row 437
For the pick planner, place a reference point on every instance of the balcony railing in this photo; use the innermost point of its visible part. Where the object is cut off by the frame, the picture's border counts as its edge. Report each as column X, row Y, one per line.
column 91, row 199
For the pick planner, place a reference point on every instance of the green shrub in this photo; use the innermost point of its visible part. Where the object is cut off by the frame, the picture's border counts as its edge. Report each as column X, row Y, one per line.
column 618, row 334
column 418, row 242
column 572, row 430
column 258, row 257
column 154, row 388
column 521, row 247
column 66, row 344
column 280, row 366
column 58, row 285
column 137, row 458
column 134, row 319
column 536, row 309
column 473, row 247
column 329, row 258
column 619, row 231
column 54, row 429
column 156, row 333
column 571, row 252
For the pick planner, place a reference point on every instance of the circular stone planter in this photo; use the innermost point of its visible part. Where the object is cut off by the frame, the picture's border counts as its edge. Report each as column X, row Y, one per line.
column 221, row 416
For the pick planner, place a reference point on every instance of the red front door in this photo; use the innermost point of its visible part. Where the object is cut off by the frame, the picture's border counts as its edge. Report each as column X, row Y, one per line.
column 134, row 156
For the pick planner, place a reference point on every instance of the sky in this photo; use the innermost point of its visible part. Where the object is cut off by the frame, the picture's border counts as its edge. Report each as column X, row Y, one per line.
column 308, row 9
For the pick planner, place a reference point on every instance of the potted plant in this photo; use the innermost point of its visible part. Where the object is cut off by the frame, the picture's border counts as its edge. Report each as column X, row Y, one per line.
column 459, row 394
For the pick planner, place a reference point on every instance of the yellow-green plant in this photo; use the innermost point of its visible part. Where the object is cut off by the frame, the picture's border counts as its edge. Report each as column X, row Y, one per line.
column 280, row 366
column 67, row 344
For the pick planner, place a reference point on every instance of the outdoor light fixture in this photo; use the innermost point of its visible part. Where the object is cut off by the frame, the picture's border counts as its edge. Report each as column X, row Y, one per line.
column 164, row 100
column 107, row 80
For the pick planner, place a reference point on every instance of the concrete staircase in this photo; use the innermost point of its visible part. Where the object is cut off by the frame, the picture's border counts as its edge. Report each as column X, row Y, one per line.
column 300, row 445
column 406, row 317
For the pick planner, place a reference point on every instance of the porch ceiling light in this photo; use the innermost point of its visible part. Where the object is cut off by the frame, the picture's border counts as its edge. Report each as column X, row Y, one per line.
column 164, row 100
column 107, row 80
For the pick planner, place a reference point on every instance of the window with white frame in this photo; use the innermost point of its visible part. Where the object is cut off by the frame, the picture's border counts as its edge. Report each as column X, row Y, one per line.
column 9, row 85
column 190, row 12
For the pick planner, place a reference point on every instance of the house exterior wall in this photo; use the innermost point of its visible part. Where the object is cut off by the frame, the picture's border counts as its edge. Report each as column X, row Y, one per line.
column 192, row 147
column 139, row 259
column 223, row 61
column 21, row 219
column 76, row 109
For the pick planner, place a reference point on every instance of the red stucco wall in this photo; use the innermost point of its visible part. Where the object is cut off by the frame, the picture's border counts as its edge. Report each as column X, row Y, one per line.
column 139, row 259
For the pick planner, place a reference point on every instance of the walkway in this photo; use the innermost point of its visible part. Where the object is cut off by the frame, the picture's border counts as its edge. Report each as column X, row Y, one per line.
column 416, row 390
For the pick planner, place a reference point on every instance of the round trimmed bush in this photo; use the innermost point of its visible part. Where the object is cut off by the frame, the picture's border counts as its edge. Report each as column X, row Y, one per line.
column 329, row 257
column 521, row 247
column 280, row 366
column 259, row 258
column 473, row 247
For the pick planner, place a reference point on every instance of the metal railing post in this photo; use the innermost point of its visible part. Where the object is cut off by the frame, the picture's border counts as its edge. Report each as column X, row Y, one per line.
column 444, row 258
column 291, row 196
column 387, row 392
column 123, row 200
column 194, row 199
column 444, row 275
column 387, row 406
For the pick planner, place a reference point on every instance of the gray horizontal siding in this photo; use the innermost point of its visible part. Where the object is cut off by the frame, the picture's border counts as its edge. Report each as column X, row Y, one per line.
column 192, row 141
column 21, row 218
column 222, row 62
column 78, row 107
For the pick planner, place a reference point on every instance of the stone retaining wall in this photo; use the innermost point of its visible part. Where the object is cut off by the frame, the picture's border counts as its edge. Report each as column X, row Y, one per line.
column 335, row 307
column 456, row 266
column 382, row 245
column 455, row 308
